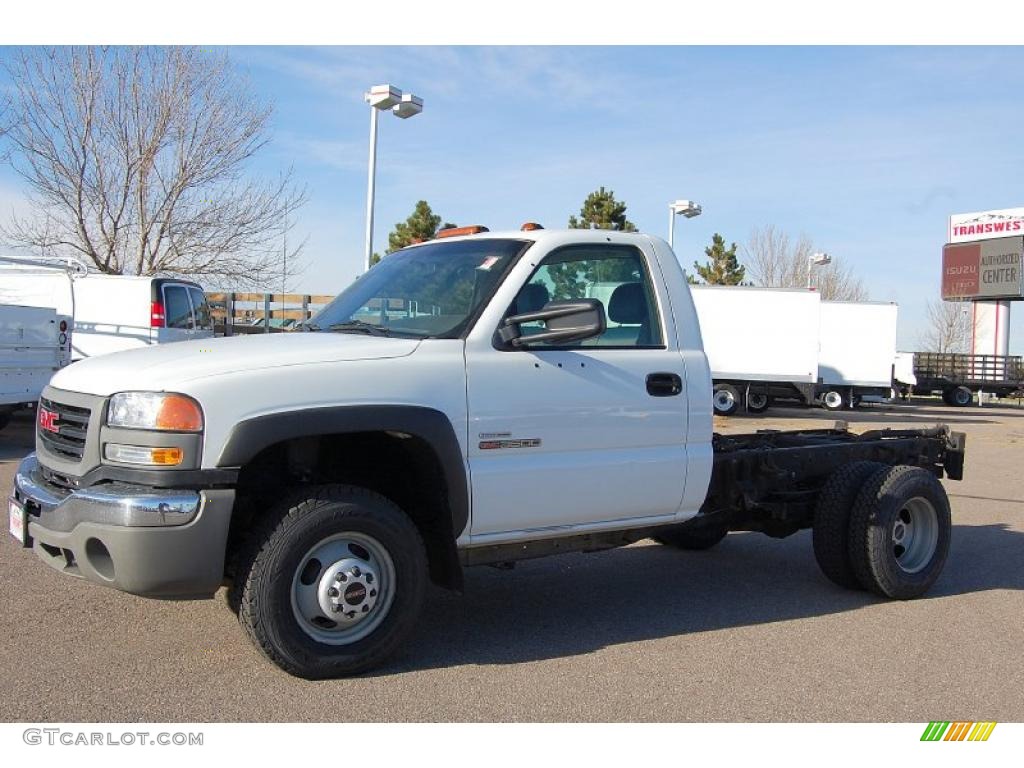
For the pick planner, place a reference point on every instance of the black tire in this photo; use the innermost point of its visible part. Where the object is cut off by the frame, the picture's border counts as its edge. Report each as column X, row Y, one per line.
column 960, row 396
column 833, row 400
column 725, row 399
column 888, row 496
column 758, row 402
column 831, row 531
column 691, row 538
column 265, row 577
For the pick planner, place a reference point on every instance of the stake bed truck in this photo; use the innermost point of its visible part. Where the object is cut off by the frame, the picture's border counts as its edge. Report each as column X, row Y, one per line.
column 467, row 401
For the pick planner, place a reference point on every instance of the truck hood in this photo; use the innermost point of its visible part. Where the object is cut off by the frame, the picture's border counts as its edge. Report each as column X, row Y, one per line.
column 169, row 366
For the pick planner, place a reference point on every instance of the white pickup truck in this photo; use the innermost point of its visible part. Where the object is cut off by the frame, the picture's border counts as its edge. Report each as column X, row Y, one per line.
column 467, row 401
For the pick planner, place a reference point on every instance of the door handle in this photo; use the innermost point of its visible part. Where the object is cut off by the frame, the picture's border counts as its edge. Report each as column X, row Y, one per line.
column 664, row 384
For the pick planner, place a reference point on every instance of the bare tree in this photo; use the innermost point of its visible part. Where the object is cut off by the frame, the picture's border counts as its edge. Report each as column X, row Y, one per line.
column 949, row 327
column 773, row 260
column 135, row 160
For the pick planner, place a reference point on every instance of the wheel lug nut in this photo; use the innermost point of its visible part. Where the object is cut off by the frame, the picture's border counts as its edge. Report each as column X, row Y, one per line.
column 373, row 593
column 356, row 571
column 342, row 577
column 332, row 592
column 366, row 608
column 369, row 578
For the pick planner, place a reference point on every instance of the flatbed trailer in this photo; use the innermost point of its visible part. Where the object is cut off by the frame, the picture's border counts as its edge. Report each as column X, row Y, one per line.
column 958, row 376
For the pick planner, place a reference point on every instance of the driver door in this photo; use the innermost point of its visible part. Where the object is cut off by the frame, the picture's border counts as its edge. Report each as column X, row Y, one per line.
column 581, row 436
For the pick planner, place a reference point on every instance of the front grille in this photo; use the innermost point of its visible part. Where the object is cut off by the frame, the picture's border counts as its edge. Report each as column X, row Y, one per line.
column 72, row 423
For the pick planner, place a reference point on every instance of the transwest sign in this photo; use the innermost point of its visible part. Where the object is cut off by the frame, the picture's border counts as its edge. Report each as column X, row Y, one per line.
column 989, row 269
column 985, row 225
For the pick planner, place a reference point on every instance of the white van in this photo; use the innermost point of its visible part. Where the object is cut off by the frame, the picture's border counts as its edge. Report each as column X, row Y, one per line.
column 111, row 312
column 114, row 312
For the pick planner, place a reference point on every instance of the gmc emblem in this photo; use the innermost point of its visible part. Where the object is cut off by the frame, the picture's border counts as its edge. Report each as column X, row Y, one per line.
column 48, row 420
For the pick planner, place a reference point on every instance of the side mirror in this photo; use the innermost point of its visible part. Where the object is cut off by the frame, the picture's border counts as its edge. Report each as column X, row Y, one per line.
column 574, row 320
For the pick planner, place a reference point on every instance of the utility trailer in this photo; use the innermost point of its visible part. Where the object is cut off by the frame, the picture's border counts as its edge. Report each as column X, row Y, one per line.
column 958, row 376
column 761, row 343
column 856, row 352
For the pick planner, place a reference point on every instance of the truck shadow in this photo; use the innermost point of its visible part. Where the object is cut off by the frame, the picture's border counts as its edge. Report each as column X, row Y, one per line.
column 575, row 604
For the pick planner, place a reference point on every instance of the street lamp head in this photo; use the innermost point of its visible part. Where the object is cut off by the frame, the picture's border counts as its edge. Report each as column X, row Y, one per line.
column 820, row 259
column 409, row 105
column 383, row 96
column 687, row 208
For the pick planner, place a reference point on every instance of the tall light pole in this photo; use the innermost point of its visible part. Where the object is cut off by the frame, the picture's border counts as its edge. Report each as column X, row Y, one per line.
column 816, row 260
column 403, row 105
column 686, row 208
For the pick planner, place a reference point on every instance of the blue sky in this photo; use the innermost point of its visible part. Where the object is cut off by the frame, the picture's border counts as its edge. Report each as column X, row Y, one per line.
column 865, row 150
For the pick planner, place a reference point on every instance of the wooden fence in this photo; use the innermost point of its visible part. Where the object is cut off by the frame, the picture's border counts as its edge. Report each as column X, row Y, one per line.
column 235, row 313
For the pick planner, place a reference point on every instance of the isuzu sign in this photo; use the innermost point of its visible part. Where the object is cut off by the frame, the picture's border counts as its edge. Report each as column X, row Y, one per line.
column 985, row 225
column 990, row 269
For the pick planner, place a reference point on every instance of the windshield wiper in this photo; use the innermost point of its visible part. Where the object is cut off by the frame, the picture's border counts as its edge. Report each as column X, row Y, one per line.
column 307, row 326
column 360, row 326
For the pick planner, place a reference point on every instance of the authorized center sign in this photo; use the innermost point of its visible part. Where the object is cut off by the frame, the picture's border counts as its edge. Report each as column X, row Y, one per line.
column 987, row 269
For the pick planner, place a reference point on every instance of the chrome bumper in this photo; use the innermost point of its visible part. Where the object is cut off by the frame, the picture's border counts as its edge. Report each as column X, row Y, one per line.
column 145, row 541
column 111, row 505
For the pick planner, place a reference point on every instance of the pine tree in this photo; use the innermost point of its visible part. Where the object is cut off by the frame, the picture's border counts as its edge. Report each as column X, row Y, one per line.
column 722, row 267
column 602, row 210
column 421, row 225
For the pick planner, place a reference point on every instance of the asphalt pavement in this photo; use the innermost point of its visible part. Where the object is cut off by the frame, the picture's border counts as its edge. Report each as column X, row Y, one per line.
column 747, row 631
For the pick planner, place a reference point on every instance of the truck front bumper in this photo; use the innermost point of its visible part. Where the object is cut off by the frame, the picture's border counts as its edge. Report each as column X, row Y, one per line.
column 150, row 542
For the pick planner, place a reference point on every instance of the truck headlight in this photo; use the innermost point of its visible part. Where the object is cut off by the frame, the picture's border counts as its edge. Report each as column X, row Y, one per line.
column 155, row 410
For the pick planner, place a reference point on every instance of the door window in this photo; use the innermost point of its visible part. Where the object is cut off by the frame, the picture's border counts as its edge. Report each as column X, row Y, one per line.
column 614, row 275
column 204, row 320
column 176, row 307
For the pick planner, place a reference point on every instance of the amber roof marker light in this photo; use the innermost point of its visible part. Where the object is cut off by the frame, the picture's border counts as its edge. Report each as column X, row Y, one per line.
column 403, row 105
column 530, row 226
column 459, row 231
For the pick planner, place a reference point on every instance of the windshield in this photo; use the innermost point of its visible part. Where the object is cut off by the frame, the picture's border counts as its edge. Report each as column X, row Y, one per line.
column 431, row 290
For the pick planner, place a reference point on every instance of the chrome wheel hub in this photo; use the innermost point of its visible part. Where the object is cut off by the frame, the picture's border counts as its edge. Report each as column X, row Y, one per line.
column 347, row 590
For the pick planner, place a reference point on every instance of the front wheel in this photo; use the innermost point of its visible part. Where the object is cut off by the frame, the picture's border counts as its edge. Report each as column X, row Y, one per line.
column 333, row 582
column 726, row 399
column 833, row 400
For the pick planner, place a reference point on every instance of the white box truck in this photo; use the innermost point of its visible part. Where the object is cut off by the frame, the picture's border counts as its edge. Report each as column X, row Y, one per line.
column 34, row 344
column 111, row 312
column 762, row 344
column 857, row 352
